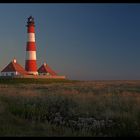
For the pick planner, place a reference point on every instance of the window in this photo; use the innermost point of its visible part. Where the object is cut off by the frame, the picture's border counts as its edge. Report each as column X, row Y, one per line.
column 12, row 74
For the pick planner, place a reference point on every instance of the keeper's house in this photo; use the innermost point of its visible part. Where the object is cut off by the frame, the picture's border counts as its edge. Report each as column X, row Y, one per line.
column 46, row 70
column 13, row 69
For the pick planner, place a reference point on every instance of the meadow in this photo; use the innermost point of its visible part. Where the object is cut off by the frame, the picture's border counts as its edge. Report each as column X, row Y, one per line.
column 62, row 108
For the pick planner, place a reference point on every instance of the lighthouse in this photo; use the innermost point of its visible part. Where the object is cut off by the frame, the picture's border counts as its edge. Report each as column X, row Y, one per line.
column 14, row 69
column 30, row 62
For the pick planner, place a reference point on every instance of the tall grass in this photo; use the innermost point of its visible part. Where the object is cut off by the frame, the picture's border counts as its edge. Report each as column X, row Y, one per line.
column 10, row 80
column 98, row 108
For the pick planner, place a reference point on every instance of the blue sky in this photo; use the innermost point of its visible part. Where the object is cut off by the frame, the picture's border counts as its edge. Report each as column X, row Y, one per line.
column 81, row 41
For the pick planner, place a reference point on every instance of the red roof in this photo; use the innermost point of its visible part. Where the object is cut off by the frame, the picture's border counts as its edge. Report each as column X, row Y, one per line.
column 46, row 69
column 13, row 67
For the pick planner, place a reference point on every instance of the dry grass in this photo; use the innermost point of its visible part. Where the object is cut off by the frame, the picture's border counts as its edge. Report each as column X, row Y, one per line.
column 97, row 108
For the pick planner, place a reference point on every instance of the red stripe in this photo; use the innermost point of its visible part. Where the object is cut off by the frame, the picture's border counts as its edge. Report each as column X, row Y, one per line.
column 31, row 29
column 31, row 65
column 31, row 46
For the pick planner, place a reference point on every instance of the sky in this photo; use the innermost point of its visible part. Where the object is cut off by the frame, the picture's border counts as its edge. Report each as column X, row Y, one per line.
column 97, row 41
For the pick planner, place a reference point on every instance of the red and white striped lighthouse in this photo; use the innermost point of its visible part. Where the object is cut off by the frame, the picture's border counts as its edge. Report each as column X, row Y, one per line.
column 31, row 64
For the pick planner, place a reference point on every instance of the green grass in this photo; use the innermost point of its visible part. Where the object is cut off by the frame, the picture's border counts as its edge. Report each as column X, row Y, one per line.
column 33, row 81
column 98, row 108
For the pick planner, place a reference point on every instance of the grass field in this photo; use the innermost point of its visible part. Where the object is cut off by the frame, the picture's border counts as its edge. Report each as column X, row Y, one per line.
column 69, row 108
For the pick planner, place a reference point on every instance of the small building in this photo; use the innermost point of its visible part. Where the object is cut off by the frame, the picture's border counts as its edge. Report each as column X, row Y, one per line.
column 46, row 70
column 13, row 69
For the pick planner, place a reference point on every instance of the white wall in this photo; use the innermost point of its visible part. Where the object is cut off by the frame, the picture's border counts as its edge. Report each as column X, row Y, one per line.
column 44, row 74
column 9, row 73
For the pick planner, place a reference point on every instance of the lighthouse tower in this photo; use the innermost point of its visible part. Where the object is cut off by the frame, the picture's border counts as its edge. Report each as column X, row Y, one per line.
column 30, row 63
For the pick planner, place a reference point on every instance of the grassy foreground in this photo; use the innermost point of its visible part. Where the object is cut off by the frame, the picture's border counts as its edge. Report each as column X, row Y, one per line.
column 70, row 108
column 34, row 81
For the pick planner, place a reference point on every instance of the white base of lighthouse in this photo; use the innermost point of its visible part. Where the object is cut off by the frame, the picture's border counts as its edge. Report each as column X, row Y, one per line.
column 33, row 72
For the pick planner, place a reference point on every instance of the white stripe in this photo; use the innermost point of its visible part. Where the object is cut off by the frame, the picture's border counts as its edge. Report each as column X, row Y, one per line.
column 31, row 37
column 30, row 55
